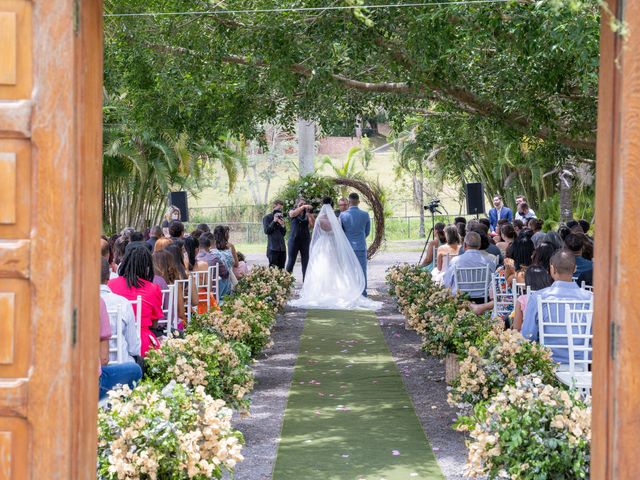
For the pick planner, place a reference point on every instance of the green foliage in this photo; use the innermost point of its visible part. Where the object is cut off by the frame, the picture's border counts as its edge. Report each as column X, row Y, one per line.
column 313, row 188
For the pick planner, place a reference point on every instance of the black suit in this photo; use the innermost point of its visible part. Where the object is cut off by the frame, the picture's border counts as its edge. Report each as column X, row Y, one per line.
column 299, row 242
column 276, row 247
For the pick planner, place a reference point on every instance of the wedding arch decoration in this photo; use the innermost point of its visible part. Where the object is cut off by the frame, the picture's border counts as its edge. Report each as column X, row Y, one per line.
column 314, row 187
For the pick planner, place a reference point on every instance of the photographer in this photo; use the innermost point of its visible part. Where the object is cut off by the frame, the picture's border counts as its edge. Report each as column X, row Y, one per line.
column 302, row 219
column 273, row 224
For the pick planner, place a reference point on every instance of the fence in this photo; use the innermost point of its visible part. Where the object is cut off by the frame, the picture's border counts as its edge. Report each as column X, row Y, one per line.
column 396, row 228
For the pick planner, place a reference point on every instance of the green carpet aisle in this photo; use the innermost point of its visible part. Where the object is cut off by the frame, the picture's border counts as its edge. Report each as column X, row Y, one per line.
column 348, row 416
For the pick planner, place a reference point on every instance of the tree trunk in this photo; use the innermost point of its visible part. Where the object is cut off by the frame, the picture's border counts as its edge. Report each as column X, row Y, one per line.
column 566, row 196
column 418, row 188
column 306, row 146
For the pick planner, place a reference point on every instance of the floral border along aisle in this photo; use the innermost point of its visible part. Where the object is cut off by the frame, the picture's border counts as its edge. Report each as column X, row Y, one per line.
column 523, row 423
column 176, row 424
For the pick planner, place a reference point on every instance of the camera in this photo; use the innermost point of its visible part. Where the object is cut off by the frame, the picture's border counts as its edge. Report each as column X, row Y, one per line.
column 278, row 215
column 433, row 205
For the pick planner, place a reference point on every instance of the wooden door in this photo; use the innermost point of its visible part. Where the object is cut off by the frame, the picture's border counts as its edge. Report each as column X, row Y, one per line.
column 50, row 215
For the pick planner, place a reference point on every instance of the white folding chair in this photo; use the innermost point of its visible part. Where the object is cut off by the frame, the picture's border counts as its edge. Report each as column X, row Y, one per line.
column 214, row 276
column 185, row 287
column 202, row 284
column 168, row 309
column 552, row 330
column 579, row 333
column 584, row 286
column 137, row 310
column 473, row 280
column 503, row 302
column 116, row 342
column 518, row 289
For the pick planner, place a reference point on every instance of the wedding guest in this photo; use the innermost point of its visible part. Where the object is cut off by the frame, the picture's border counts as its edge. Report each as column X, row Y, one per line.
column 136, row 237
column 115, row 374
column 107, row 253
column 574, row 226
column 428, row 262
column 191, row 248
column 520, row 255
column 242, row 269
column 161, row 244
column 507, row 233
column 302, row 220
column 554, row 239
column 154, row 234
column 586, row 226
column 203, row 227
column 275, row 230
column 542, row 256
column 136, row 278
column 575, row 244
column 563, row 231
column 462, row 229
column 518, row 226
column 536, row 278
column 177, row 251
column 130, row 345
column 587, row 246
column 472, row 257
column 563, row 265
column 451, row 247
column 176, row 232
column 498, row 211
column 458, row 220
column 224, row 254
column 535, row 225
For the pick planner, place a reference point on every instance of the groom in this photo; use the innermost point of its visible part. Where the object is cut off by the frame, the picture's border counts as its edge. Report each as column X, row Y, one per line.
column 357, row 226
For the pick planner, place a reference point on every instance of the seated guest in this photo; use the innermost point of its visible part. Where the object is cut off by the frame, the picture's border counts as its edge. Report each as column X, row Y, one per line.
column 117, row 374
column 520, row 255
column 472, row 257
column 136, row 237
column 587, row 246
column 486, row 247
column 154, row 234
column 203, row 227
column 191, row 250
column 524, row 213
column 507, row 234
column 487, row 223
column 536, row 278
column 450, row 249
column 131, row 340
column 223, row 251
column 574, row 226
column 176, row 231
column 178, row 254
column 535, row 225
column 462, row 229
column 518, row 226
column 554, row 239
column 563, row 265
column 563, row 231
column 458, row 220
column 586, row 226
column 107, row 253
column 161, row 244
column 136, row 278
column 429, row 260
column 242, row 269
column 498, row 236
column 574, row 243
column 164, row 273
column 542, row 256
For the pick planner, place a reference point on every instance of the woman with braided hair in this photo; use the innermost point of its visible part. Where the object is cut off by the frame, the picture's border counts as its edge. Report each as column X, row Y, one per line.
column 136, row 278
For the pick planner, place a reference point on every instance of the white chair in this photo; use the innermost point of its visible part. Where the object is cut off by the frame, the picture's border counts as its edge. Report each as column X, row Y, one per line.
column 116, row 342
column 552, row 330
column 202, row 284
column 473, row 280
column 503, row 302
column 584, row 286
column 137, row 310
column 579, row 333
column 169, row 310
column 214, row 276
column 518, row 289
column 185, row 287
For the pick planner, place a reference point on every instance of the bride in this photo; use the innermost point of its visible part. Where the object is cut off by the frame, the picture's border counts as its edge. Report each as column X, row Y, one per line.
column 334, row 278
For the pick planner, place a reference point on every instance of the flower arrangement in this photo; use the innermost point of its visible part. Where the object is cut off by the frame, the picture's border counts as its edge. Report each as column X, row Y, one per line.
column 271, row 285
column 242, row 318
column 176, row 432
column 312, row 188
column 503, row 356
column 201, row 359
column 531, row 430
column 411, row 286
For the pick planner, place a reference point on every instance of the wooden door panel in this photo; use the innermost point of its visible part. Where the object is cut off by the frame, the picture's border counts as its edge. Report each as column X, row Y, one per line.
column 15, row 320
column 14, row 444
column 15, row 49
column 15, row 188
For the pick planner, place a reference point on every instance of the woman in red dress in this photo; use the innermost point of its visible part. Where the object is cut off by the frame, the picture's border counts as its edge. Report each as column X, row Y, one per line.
column 136, row 278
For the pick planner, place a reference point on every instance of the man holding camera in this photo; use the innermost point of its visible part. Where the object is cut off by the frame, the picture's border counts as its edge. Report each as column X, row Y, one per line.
column 302, row 220
column 273, row 224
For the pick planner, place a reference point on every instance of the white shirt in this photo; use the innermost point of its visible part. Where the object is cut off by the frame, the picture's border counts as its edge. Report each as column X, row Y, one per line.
column 131, row 343
column 530, row 214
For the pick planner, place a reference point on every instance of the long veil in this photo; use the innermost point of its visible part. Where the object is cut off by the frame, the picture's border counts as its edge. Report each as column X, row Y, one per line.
column 334, row 277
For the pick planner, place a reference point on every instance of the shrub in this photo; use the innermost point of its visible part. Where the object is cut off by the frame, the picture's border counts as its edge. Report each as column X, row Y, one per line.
column 531, row 430
column 201, row 359
column 498, row 361
column 173, row 433
column 271, row 285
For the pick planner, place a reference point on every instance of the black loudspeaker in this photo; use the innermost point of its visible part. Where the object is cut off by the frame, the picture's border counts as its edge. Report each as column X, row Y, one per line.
column 475, row 198
column 179, row 199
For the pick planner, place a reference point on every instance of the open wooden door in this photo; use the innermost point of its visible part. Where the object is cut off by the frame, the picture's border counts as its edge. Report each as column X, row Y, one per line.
column 50, row 221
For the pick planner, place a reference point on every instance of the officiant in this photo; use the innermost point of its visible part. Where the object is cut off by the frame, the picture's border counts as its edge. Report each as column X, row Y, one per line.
column 302, row 221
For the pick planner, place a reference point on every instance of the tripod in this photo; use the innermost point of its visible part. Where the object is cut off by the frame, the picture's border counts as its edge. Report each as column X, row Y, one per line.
column 431, row 232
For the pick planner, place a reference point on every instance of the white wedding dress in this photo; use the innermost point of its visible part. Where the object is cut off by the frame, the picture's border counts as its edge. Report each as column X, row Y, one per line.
column 334, row 278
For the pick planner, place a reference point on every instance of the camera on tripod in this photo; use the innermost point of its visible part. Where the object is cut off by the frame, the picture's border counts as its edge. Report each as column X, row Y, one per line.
column 433, row 206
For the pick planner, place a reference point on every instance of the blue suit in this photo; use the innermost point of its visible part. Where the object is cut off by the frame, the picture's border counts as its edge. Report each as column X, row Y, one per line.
column 504, row 213
column 357, row 227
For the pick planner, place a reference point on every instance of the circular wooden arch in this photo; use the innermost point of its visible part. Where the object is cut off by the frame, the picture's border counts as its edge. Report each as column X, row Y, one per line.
column 373, row 199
